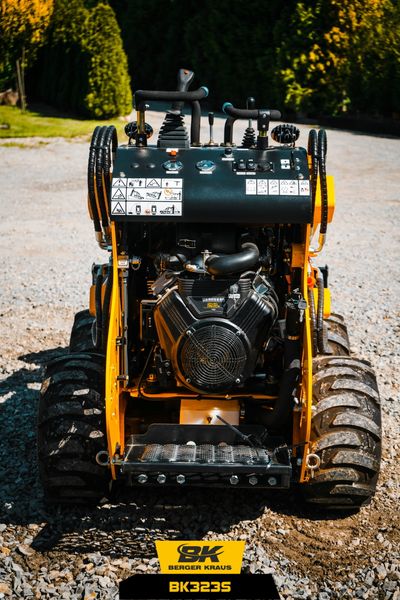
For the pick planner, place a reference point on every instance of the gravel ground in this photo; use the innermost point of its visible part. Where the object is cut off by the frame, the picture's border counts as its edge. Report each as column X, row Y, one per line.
column 47, row 248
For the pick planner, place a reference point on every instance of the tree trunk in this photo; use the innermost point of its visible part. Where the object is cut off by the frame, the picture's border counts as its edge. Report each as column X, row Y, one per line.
column 21, row 80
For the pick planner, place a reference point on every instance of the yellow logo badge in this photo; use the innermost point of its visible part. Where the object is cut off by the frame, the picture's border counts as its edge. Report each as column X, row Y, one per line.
column 200, row 557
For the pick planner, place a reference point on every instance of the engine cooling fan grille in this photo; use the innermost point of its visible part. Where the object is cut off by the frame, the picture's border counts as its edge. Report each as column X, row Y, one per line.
column 213, row 357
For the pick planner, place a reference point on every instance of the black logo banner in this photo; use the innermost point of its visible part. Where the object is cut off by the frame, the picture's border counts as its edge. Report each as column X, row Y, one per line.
column 188, row 587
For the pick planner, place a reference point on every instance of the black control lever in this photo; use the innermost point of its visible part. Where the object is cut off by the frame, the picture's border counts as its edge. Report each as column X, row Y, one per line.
column 185, row 78
column 262, row 115
column 245, row 113
column 211, row 125
column 249, row 138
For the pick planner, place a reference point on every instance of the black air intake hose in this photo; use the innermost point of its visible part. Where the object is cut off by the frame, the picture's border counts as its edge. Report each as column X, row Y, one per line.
column 234, row 263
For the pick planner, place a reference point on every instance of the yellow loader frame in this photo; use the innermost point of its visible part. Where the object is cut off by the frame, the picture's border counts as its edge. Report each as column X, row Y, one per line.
column 117, row 392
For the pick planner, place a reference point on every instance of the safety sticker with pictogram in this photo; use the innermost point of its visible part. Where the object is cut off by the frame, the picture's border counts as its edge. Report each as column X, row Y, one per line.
column 119, row 182
column 118, row 193
column 117, row 208
column 139, row 182
column 153, row 183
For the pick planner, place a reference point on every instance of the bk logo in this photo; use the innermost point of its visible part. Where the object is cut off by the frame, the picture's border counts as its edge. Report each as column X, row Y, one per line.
column 198, row 554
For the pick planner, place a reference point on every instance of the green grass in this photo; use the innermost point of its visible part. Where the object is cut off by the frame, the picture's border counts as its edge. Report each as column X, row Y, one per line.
column 45, row 122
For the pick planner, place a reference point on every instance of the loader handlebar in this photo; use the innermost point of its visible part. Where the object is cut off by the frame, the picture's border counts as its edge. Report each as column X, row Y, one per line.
column 245, row 113
column 141, row 96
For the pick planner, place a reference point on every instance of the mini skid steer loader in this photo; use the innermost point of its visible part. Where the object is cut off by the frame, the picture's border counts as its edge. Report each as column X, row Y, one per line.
column 209, row 355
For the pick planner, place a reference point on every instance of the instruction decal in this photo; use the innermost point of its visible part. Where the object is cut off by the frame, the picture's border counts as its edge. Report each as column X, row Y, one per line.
column 147, row 197
column 277, row 187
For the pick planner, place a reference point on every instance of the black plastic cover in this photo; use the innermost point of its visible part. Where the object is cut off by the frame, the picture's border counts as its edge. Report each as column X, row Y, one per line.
column 211, row 185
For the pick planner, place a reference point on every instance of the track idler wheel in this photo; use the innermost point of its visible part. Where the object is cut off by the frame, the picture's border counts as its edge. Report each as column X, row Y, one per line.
column 71, row 430
column 346, row 433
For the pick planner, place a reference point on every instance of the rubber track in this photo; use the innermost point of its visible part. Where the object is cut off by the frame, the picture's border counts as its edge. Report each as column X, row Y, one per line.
column 71, row 430
column 81, row 334
column 337, row 336
column 346, row 433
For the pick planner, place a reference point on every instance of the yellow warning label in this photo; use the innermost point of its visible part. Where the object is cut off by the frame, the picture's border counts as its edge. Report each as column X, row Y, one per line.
column 200, row 557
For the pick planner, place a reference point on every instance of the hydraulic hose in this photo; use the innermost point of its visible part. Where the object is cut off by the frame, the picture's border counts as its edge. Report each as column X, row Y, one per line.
column 320, row 313
column 102, row 149
column 313, row 317
column 99, row 178
column 322, row 148
column 233, row 263
column 94, row 208
column 313, row 152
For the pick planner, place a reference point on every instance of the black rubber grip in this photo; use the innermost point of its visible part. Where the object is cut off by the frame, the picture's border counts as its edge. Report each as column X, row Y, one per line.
column 185, row 78
column 245, row 113
column 142, row 96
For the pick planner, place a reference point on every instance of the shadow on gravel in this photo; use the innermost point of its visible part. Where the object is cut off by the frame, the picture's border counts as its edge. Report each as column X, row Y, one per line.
column 135, row 517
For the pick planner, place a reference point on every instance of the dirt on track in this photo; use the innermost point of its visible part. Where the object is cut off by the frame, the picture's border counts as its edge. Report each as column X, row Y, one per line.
column 47, row 248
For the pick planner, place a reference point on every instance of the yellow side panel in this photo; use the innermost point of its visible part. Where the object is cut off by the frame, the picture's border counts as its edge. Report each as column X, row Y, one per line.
column 115, row 436
column 92, row 301
column 331, row 201
column 297, row 256
column 302, row 416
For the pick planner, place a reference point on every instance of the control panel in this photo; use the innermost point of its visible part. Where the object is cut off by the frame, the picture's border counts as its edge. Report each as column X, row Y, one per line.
column 211, row 184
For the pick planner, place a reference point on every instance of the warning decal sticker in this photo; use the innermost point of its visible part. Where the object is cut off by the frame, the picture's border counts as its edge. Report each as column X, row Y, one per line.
column 277, row 187
column 119, row 183
column 147, row 197
column 119, row 193
column 116, row 208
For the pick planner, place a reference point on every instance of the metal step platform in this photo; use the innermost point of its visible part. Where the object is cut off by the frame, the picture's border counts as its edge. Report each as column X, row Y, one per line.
column 202, row 455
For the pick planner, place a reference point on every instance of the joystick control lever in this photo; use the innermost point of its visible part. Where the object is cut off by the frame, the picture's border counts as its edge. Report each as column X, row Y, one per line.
column 249, row 138
column 185, row 78
column 211, row 124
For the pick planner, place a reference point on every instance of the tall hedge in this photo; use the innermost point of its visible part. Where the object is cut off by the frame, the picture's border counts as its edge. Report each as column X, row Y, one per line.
column 83, row 67
column 315, row 57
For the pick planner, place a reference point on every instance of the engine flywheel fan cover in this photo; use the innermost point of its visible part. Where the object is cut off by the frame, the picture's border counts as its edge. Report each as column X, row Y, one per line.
column 212, row 356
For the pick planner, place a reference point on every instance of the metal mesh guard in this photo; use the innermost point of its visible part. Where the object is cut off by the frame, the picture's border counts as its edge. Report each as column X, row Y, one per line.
column 213, row 357
column 203, row 453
